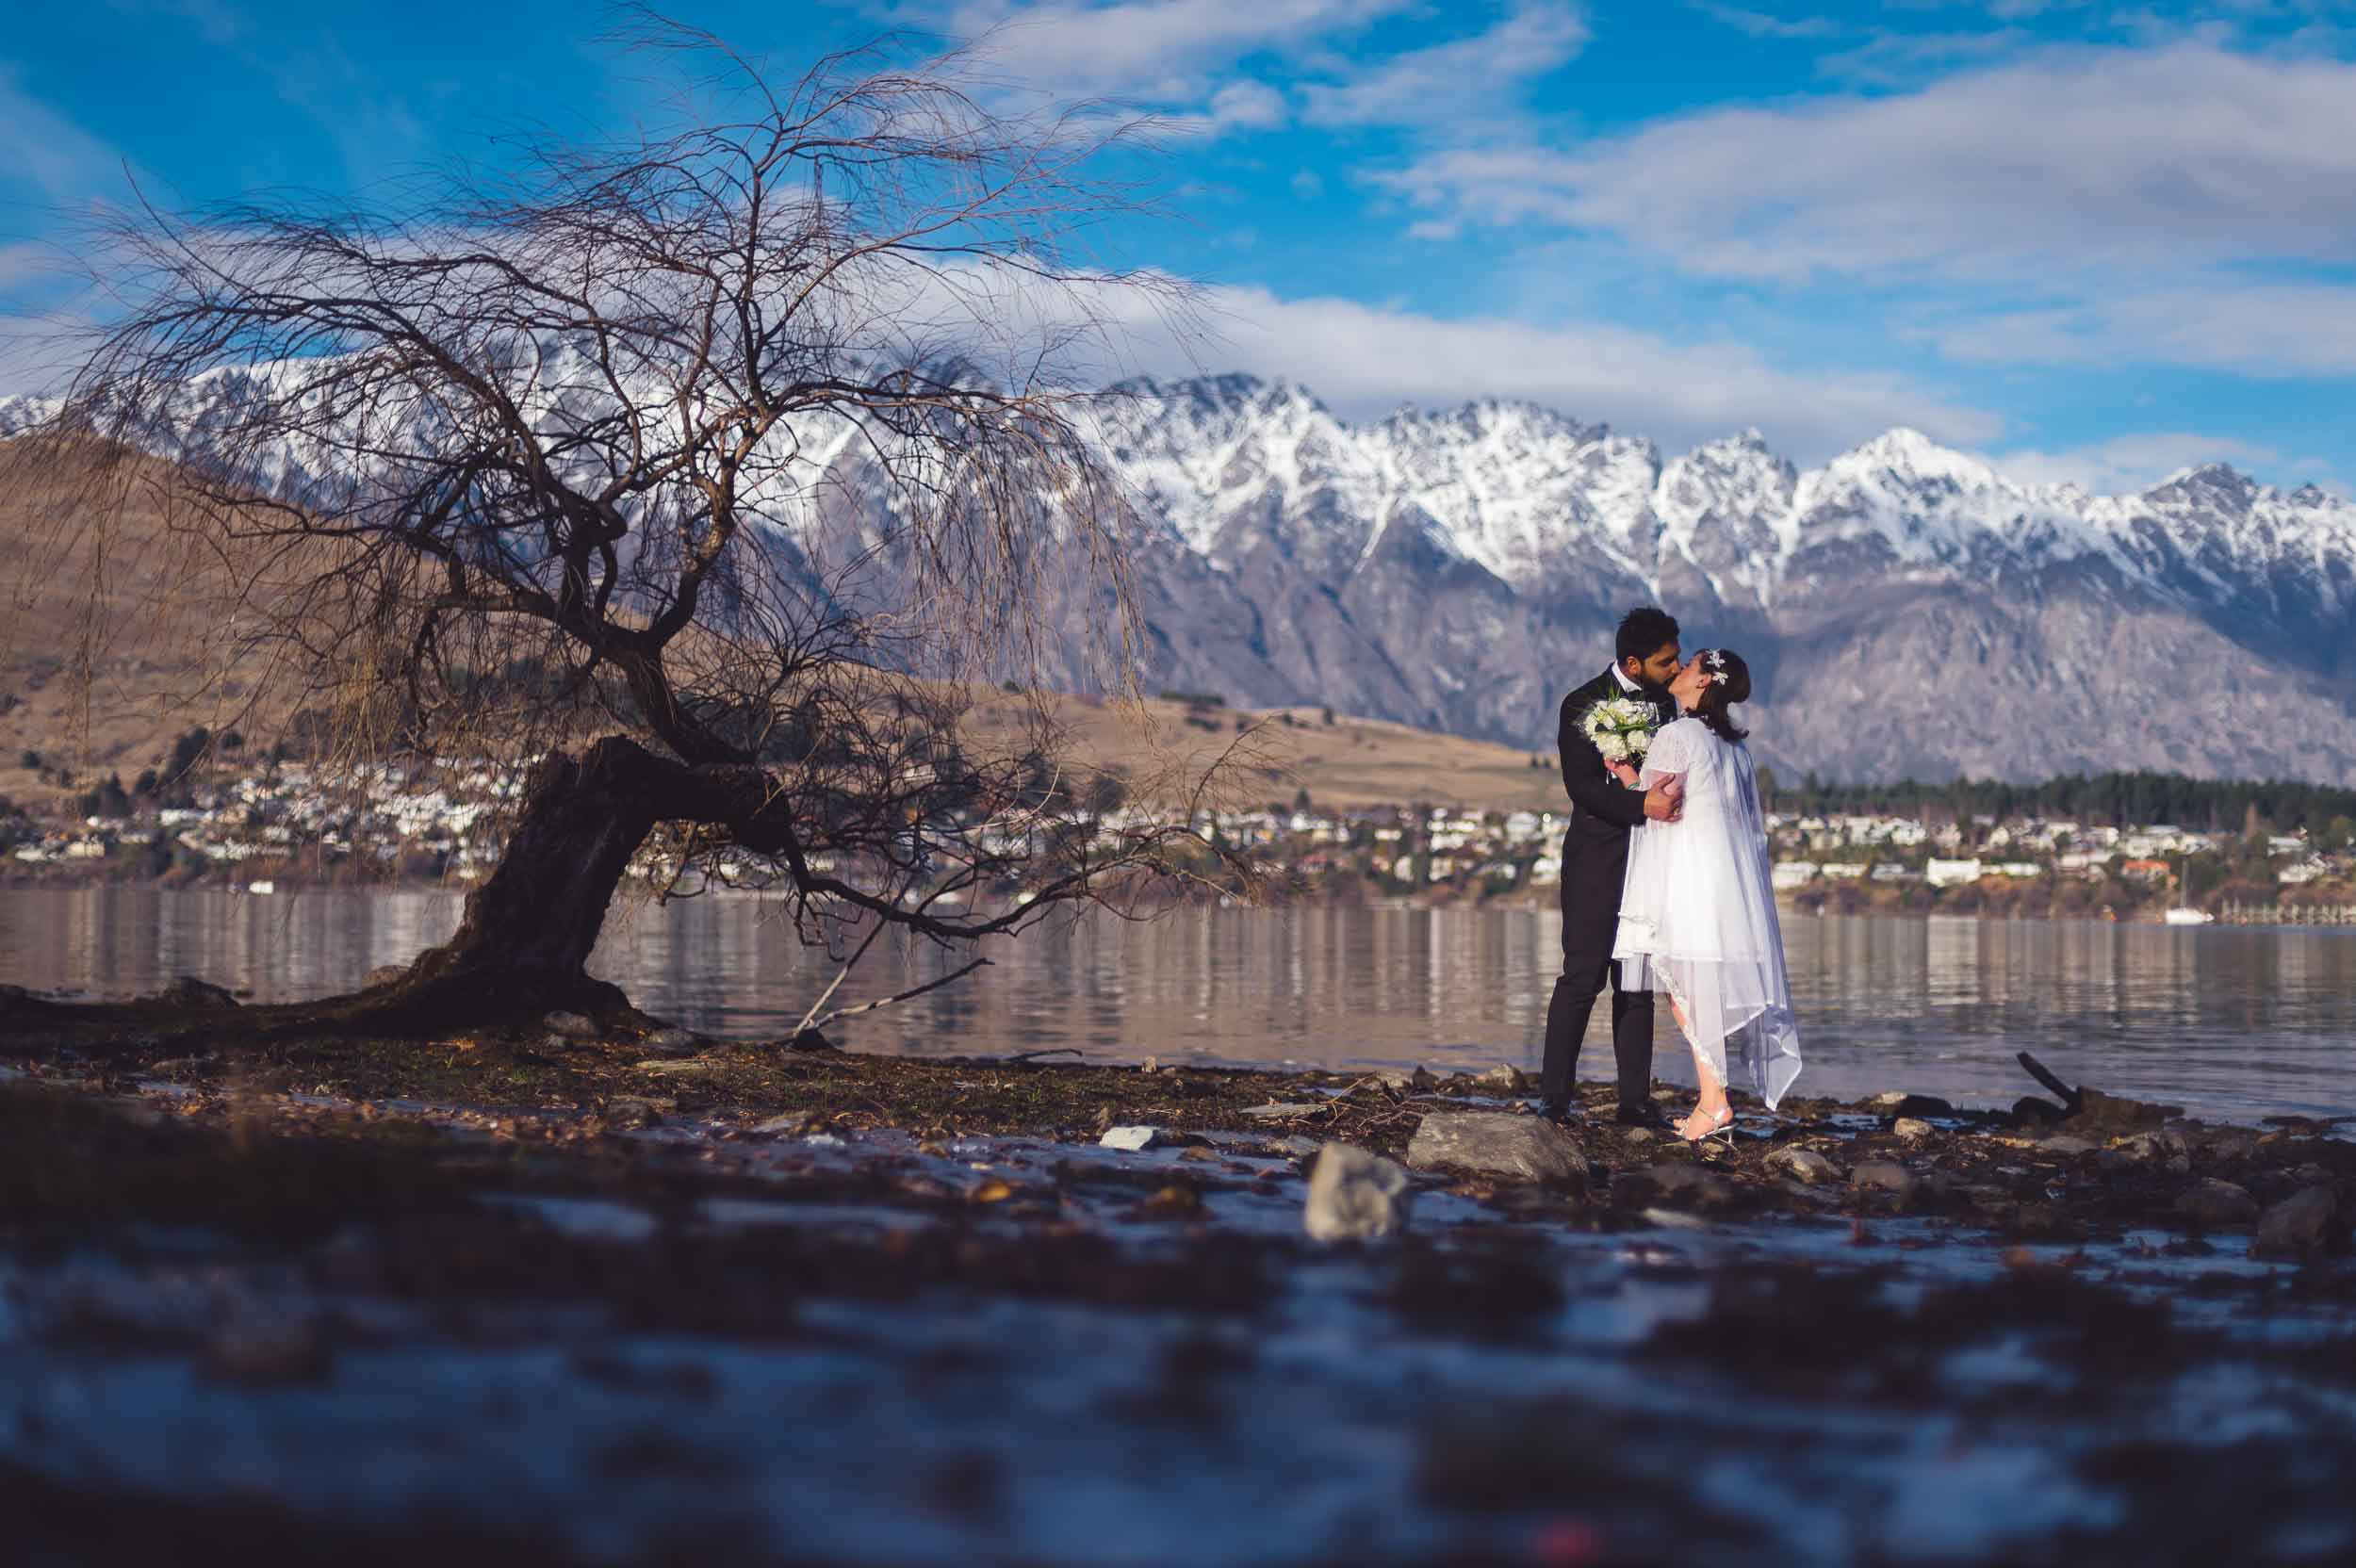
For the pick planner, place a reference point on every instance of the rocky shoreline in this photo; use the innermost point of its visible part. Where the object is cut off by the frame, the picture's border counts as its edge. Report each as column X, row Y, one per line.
column 623, row 1298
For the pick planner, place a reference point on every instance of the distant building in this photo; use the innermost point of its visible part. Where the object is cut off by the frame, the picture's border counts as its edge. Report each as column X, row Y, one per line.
column 1951, row 874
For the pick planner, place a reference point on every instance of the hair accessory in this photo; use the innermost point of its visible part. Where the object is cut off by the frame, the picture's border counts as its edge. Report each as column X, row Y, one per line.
column 1717, row 662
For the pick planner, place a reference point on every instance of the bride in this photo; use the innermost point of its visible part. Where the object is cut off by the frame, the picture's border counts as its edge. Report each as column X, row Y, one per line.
column 1697, row 913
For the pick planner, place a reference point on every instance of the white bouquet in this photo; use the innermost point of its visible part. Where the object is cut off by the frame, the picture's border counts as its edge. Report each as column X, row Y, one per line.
column 1621, row 729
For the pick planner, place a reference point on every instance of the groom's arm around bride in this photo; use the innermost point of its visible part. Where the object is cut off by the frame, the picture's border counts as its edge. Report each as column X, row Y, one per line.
column 1594, row 864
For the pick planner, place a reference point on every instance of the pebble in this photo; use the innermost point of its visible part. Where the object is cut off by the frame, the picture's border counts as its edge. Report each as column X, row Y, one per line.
column 673, row 1043
column 2219, row 1205
column 1172, row 1202
column 632, row 1111
column 1129, row 1138
column 1676, row 1185
column 570, row 1026
column 1805, row 1165
column 1886, row 1176
column 1355, row 1196
column 1911, row 1128
column 2302, row 1226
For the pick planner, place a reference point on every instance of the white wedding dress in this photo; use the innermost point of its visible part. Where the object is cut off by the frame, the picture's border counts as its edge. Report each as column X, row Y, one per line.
column 1697, row 912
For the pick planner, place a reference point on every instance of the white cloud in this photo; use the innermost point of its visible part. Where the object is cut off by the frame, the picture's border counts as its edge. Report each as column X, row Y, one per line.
column 1364, row 360
column 2274, row 331
column 1449, row 84
column 2064, row 162
column 44, row 151
column 1896, row 60
column 2128, row 465
column 1247, row 105
column 1764, row 25
column 1307, row 183
column 1160, row 51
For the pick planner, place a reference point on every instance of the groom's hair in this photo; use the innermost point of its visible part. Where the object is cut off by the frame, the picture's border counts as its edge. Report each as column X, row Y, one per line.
column 1644, row 633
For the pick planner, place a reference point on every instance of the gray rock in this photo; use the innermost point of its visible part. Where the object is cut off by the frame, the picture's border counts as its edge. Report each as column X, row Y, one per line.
column 2229, row 1146
column 2305, row 1225
column 2067, row 1146
column 1129, row 1138
column 2155, row 1147
column 189, row 991
column 383, row 975
column 634, row 1111
column 1495, row 1143
column 1888, row 1101
column 1886, row 1176
column 1805, row 1165
column 2101, row 1115
column 1506, row 1079
column 1355, row 1196
column 1911, row 1129
column 2219, row 1206
column 1413, row 1082
column 1676, row 1185
column 1921, row 1104
column 570, row 1026
column 673, row 1043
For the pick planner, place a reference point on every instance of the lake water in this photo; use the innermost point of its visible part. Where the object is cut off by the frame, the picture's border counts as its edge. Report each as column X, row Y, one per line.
column 2234, row 1022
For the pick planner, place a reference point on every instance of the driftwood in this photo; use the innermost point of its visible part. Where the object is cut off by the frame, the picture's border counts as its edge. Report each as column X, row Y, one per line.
column 2088, row 1110
column 2073, row 1101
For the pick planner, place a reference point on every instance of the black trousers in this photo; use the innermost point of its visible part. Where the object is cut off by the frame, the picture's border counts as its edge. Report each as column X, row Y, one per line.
column 1593, row 870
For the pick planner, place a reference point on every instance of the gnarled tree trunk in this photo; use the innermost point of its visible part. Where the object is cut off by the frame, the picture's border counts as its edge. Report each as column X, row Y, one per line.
column 523, row 945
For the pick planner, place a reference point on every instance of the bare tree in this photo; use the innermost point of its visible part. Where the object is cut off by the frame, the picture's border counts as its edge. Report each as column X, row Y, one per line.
column 743, row 452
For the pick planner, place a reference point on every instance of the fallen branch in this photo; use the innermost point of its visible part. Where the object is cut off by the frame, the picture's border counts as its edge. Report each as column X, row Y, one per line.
column 899, row 996
column 2073, row 1099
column 1050, row 1050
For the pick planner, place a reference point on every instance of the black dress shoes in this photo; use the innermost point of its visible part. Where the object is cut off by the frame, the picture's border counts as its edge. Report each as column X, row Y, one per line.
column 1644, row 1115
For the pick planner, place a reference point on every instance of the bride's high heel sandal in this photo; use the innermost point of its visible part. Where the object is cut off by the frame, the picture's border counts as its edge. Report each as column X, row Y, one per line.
column 1720, row 1126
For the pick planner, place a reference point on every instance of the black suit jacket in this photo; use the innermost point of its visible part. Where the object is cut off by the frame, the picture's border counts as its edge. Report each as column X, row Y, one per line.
column 1605, row 808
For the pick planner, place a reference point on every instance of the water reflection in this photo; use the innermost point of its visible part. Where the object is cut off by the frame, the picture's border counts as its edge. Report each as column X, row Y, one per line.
column 2237, row 1022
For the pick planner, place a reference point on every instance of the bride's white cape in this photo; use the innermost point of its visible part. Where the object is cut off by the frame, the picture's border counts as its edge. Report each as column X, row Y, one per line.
column 1698, row 914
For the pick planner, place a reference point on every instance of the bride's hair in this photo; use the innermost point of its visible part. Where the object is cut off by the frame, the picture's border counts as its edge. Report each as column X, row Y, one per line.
column 1730, row 683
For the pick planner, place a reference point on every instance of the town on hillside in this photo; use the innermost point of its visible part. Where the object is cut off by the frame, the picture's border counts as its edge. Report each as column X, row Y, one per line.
column 213, row 814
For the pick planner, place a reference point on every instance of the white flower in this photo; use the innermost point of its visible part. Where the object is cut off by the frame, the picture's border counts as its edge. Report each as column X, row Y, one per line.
column 1614, row 747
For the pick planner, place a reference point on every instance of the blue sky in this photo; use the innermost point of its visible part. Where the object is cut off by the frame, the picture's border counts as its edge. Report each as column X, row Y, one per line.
column 2095, row 242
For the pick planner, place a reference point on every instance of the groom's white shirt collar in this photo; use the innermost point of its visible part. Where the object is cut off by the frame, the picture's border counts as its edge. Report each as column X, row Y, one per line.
column 1626, row 684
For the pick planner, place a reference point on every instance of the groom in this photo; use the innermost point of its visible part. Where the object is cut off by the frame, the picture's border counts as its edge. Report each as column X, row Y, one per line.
column 1595, row 859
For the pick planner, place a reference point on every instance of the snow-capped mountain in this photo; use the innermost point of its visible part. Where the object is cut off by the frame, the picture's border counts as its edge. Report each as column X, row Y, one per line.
column 1907, row 609
column 1910, row 609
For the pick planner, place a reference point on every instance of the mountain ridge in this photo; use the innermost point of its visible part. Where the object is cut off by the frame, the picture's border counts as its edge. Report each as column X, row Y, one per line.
column 1907, row 609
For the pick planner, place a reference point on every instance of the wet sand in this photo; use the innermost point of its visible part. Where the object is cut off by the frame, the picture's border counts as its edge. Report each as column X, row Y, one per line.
column 526, row 1294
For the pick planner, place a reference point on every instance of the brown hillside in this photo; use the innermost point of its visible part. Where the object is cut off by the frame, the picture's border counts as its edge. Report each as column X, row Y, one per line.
column 119, row 629
column 117, row 625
